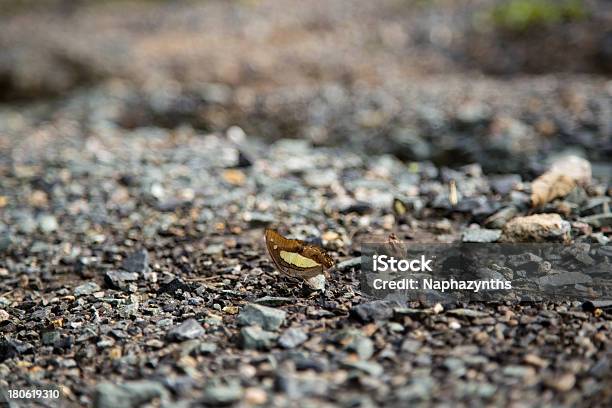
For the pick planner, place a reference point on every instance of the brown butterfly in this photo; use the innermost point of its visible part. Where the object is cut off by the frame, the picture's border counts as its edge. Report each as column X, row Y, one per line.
column 297, row 258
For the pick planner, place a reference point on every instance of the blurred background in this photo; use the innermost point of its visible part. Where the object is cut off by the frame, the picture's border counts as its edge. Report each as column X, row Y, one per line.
column 498, row 82
column 144, row 146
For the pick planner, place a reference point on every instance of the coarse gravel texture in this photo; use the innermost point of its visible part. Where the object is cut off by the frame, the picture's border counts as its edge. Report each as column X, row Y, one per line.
column 132, row 263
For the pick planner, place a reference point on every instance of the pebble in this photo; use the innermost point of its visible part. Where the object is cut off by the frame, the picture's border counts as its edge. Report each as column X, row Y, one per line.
column 137, row 262
column 273, row 300
column 222, row 394
column 349, row 263
column 86, row 289
column 128, row 395
column 500, row 218
column 26, row 224
column 564, row 278
column 522, row 372
column 562, row 383
column 292, row 338
column 4, row 315
column 47, row 223
column 375, row 311
column 538, row 228
column 317, row 282
column 50, row 338
column 254, row 337
column 454, row 325
column 369, row 367
column 355, row 341
column 214, row 249
column 503, row 184
column 189, row 329
column 120, row 279
column 266, row 317
column 255, row 396
column 480, row 235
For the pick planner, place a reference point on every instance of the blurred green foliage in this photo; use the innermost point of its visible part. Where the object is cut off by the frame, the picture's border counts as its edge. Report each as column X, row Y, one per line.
column 521, row 15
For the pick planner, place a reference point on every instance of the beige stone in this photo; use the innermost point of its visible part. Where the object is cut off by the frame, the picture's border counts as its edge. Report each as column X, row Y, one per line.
column 537, row 228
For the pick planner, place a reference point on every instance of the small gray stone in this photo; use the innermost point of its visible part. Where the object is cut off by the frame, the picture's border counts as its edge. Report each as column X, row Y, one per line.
column 368, row 367
column 480, row 235
column 137, row 262
column 189, row 329
column 601, row 368
column 266, row 317
column 455, row 365
column 355, row 341
column 518, row 371
column 222, row 394
column 505, row 183
column 47, row 223
column 253, row 337
column 418, row 389
column 377, row 310
column 26, row 224
column 298, row 387
column 6, row 241
column 292, row 337
column 207, row 348
column 120, row 279
column 273, row 300
column 500, row 218
column 214, row 249
column 318, row 178
column 258, row 219
column 317, row 282
column 50, row 338
column 411, row 346
column 128, row 395
column 564, row 278
column 86, row 289
column 349, row 263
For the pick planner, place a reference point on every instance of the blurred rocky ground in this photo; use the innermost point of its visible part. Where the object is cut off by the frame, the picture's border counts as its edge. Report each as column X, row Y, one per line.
column 447, row 81
column 145, row 145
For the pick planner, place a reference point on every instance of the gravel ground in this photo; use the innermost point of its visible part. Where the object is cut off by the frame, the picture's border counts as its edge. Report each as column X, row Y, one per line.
column 133, row 268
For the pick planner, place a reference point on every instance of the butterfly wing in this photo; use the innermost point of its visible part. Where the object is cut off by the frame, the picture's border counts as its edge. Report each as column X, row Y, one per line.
column 293, row 257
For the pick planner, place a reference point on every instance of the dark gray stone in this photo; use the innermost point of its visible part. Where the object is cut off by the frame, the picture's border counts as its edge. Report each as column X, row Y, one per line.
column 292, row 337
column 266, row 317
column 349, row 263
column 137, row 262
column 254, row 337
column 378, row 310
column 189, row 329
column 120, row 279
